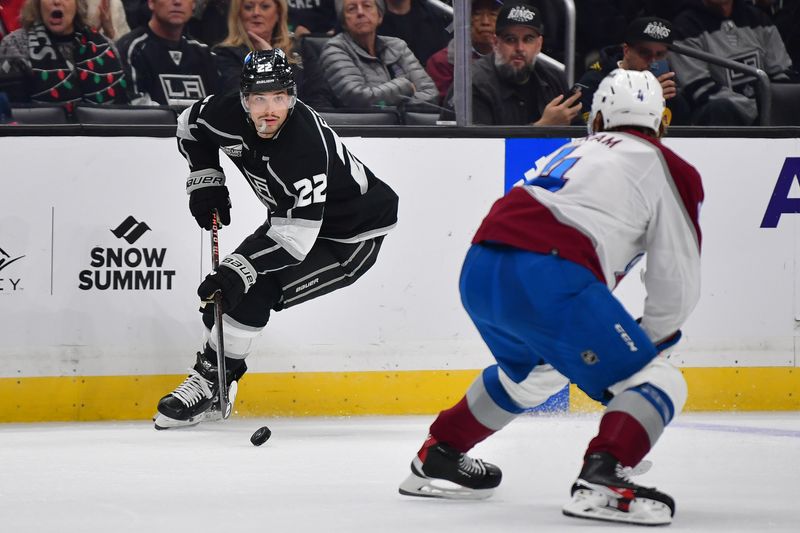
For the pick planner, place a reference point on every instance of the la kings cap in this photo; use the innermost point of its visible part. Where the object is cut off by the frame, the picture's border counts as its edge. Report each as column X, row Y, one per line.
column 649, row 29
column 518, row 14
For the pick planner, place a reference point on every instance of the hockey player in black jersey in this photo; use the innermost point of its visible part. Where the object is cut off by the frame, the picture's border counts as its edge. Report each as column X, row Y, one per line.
column 327, row 217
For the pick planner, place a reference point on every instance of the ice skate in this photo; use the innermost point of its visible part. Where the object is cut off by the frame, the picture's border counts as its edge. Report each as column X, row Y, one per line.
column 212, row 414
column 440, row 471
column 196, row 399
column 604, row 492
column 187, row 403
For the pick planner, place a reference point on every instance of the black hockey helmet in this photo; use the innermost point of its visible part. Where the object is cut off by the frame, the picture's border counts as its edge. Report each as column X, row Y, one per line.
column 267, row 70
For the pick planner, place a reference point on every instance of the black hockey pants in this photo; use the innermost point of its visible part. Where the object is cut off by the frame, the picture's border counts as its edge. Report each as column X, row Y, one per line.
column 330, row 265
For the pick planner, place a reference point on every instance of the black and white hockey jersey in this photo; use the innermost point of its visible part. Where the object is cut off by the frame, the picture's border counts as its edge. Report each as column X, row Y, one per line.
column 167, row 72
column 310, row 183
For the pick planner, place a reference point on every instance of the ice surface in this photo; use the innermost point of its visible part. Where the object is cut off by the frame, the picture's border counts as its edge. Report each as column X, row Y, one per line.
column 727, row 473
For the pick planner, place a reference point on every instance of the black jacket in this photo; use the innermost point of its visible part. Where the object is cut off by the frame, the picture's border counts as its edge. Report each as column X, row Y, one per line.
column 498, row 102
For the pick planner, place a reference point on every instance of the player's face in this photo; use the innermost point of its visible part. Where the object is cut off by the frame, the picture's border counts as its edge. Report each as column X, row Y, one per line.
column 518, row 46
column 268, row 111
column 259, row 17
column 361, row 17
column 639, row 56
column 483, row 21
column 58, row 15
column 171, row 12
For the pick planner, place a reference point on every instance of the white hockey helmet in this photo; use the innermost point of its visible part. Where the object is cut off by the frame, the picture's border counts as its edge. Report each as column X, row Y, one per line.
column 628, row 98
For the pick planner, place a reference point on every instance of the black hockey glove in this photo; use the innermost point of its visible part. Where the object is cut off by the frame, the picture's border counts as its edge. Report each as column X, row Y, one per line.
column 232, row 279
column 202, row 203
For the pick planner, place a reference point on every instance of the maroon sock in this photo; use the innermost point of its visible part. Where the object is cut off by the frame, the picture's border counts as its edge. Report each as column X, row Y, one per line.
column 622, row 436
column 459, row 428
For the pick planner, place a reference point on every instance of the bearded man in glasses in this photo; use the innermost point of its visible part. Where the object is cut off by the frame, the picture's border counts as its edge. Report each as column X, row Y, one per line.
column 512, row 86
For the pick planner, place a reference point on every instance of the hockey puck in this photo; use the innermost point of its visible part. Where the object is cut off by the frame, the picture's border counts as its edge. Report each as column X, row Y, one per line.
column 261, row 436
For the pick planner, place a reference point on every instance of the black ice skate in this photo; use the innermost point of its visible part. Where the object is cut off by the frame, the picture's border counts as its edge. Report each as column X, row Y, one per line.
column 196, row 399
column 604, row 492
column 440, row 471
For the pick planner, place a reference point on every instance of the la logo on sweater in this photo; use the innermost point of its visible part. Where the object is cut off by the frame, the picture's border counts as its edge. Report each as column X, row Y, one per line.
column 176, row 56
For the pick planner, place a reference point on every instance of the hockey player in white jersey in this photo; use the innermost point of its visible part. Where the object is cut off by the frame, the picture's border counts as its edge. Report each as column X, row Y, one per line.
column 537, row 283
column 326, row 217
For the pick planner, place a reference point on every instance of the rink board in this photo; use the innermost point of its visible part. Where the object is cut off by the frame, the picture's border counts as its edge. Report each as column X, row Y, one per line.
column 100, row 260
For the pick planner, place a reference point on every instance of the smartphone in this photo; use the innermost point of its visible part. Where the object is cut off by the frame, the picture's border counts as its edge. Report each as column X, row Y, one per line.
column 659, row 67
column 577, row 87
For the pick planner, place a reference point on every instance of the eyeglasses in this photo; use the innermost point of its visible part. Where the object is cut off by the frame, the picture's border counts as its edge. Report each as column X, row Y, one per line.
column 488, row 13
column 650, row 55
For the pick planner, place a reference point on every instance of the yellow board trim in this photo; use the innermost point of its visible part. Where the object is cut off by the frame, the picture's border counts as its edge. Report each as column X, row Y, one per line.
column 39, row 399
column 727, row 389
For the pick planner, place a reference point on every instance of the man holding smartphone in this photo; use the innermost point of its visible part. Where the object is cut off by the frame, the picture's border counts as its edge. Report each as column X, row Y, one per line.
column 645, row 48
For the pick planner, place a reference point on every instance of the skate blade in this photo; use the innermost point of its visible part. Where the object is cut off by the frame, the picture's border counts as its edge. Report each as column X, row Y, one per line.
column 232, row 391
column 164, row 422
column 592, row 505
column 415, row 485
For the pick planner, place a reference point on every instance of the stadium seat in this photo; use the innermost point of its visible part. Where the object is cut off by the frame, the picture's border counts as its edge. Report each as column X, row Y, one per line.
column 785, row 104
column 361, row 118
column 313, row 89
column 38, row 114
column 416, row 118
column 149, row 115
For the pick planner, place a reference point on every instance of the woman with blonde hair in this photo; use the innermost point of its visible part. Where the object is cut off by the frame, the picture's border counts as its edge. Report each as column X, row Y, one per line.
column 253, row 25
column 60, row 59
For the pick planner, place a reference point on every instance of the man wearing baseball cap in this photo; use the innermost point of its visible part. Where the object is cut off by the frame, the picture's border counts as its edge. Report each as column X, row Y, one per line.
column 645, row 48
column 509, row 87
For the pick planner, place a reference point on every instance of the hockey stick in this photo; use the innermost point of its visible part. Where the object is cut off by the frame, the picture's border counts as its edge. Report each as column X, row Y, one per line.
column 224, row 405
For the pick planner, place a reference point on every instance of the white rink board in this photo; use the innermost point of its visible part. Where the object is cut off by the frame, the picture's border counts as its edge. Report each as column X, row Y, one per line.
column 405, row 314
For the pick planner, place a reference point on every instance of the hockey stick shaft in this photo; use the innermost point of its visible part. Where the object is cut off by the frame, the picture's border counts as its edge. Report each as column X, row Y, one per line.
column 221, row 374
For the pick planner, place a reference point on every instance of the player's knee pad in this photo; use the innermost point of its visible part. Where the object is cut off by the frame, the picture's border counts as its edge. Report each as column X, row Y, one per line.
column 536, row 388
column 239, row 339
column 659, row 382
column 488, row 401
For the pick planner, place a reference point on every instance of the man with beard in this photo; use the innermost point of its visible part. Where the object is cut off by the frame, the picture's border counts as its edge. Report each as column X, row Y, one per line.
column 509, row 87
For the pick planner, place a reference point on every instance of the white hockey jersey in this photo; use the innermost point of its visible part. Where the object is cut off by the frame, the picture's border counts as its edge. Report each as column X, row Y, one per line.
column 604, row 201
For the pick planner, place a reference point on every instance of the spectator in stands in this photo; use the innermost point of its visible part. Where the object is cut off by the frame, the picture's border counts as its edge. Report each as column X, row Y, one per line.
column 644, row 48
column 137, row 13
column 108, row 16
column 316, row 17
column 482, row 20
column 9, row 16
column 364, row 69
column 509, row 87
column 787, row 20
column 733, row 29
column 166, row 66
column 253, row 25
column 423, row 27
column 56, row 58
column 209, row 22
